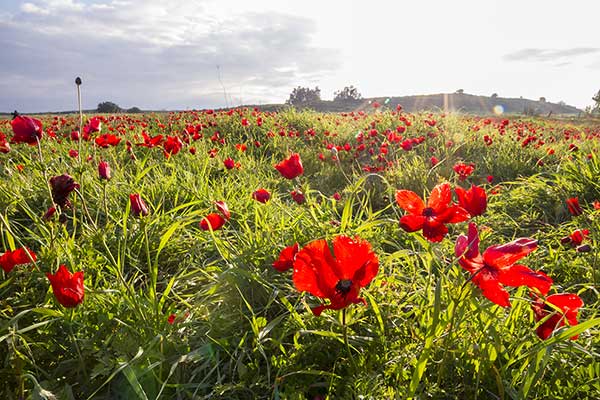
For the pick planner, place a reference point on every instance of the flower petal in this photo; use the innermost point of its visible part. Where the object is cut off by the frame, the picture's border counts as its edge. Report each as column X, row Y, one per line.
column 410, row 201
column 355, row 260
column 434, row 231
column 501, row 256
column 491, row 288
column 520, row 275
column 412, row 223
column 440, row 197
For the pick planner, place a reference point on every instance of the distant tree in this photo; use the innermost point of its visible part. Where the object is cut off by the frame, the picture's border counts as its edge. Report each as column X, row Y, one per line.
column 302, row 96
column 494, row 95
column 542, row 99
column 348, row 93
column 134, row 110
column 108, row 107
column 596, row 107
column 460, row 91
column 562, row 103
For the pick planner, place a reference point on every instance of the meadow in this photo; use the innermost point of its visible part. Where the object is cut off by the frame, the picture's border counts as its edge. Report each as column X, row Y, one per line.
column 242, row 254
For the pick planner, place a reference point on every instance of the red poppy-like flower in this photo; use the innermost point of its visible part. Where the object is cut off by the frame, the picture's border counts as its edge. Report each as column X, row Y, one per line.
column 107, row 140
column 473, row 200
column 4, row 145
column 213, row 222
column 286, row 258
column 93, row 125
column 171, row 319
column 574, row 207
column 223, row 209
column 567, row 303
column 138, row 207
column 463, row 170
column 26, row 130
column 433, row 161
column 433, row 216
column 104, row 170
column 336, row 274
column 10, row 259
column 229, row 163
column 291, row 167
column 73, row 153
column 261, row 195
column 172, row 145
column 596, row 205
column 62, row 186
column 298, row 196
column 576, row 237
column 68, row 288
column 336, row 196
column 496, row 267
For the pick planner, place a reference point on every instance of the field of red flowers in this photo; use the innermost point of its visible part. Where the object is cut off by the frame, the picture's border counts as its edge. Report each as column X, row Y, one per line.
column 244, row 254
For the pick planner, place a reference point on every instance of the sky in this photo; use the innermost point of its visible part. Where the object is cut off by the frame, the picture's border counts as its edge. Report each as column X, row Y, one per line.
column 190, row 54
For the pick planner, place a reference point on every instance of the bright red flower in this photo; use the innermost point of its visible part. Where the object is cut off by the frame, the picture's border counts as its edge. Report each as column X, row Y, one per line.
column 596, row 205
column 73, row 153
column 291, row 167
column 574, row 207
column 337, row 196
column 298, row 196
column 68, row 288
column 286, row 258
column 10, row 259
column 261, row 195
column 433, row 216
column 62, row 186
column 172, row 146
column 223, row 209
column 463, row 170
column 567, row 303
column 171, row 319
column 104, row 170
column 229, row 163
column 212, row 221
column 93, row 125
column 26, row 130
column 496, row 267
column 4, row 145
column 473, row 200
column 138, row 207
column 337, row 273
column 107, row 140
column 576, row 237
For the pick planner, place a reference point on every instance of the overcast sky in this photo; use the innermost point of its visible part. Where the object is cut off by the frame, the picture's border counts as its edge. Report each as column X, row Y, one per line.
column 193, row 54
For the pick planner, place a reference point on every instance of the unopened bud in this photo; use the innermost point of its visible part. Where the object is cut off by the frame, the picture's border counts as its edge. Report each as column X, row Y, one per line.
column 78, row 81
column 584, row 248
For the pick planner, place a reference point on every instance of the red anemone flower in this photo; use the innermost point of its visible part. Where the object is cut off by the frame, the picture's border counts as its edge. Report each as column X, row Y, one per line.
column 213, row 222
column 172, row 146
column 298, row 196
column 574, row 207
column 10, row 259
column 576, row 237
column 496, row 267
column 336, row 274
column 261, row 195
column 107, row 140
column 67, row 287
column 463, row 170
column 62, row 186
column 26, row 129
column 567, row 303
column 223, row 209
column 473, row 200
column 138, row 206
column 104, row 170
column 286, row 258
column 433, row 216
column 291, row 167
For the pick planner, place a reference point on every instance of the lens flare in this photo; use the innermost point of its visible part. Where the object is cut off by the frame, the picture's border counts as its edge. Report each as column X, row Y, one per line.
column 498, row 109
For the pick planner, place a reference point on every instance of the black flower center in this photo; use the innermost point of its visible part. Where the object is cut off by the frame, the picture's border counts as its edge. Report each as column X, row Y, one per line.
column 428, row 212
column 343, row 286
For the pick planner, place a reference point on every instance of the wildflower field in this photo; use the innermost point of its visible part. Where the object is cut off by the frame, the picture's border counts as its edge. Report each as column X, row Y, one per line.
column 243, row 254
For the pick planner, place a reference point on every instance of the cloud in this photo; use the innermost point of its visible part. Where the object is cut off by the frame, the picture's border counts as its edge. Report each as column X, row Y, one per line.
column 154, row 56
column 549, row 55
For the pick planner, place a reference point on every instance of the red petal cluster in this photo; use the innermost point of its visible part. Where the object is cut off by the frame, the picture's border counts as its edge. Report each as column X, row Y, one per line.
column 558, row 307
column 67, row 287
column 291, row 167
column 20, row 256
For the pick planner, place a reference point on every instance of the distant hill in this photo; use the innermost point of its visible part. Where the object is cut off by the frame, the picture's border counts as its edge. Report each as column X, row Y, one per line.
column 446, row 102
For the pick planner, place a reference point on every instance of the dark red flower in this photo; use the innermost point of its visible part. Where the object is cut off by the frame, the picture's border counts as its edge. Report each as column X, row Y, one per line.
column 496, row 267
column 336, row 274
column 559, row 307
column 104, row 170
column 10, row 259
column 229, row 163
column 261, row 195
column 578, row 236
column 93, row 125
column 286, row 258
column 574, row 207
column 171, row 319
column 473, row 200
column 62, row 186
column 4, row 146
column 337, row 196
column 68, row 288
column 433, row 216
column 138, row 207
column 463, row 170
column 73, row 153
column 291, row 167
column 298, row 196
column 26, row 130
column 212, row 221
